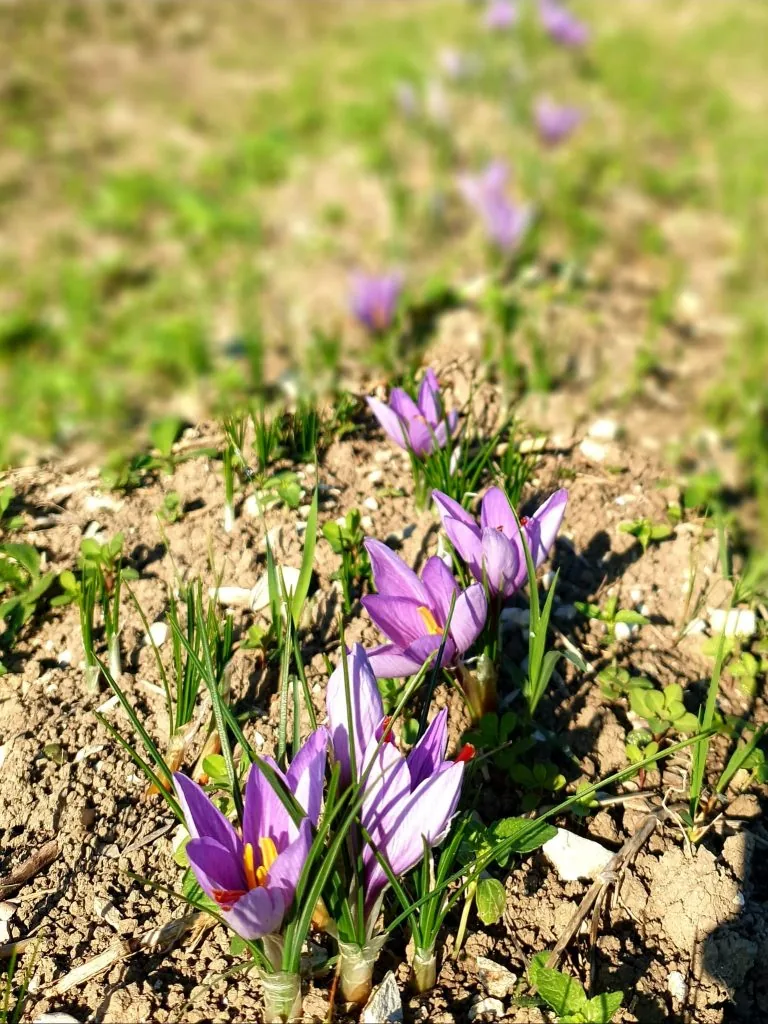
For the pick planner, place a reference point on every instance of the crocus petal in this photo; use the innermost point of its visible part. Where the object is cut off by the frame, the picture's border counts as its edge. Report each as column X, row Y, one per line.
column 387, row 786
column 447, row 507
column 439, row 436
column 542, row 527
column 389, row 421
column 391, row 662
column 421, row 650
column 501, row 561
column 307, row 771
column 422, row 438
column 496, row 514
column 264, row 813
column 403, row 404
column 260, row 912
column 468, row 543
column 366, row 710
column 441, row 587
column 391, row 575
column 216, row 867
column 429, row 398
column 469, row 615
column 203, row 818
column 400, row 619
column 429, row 753
column 426, row 815
column 284, row 874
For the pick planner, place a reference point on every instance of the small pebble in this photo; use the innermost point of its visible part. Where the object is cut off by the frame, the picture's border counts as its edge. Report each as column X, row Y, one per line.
column 593, row 451
column 158, row 632
column 574, row 857
column 677, row 987
column 371, row 503
column 385, row 1005
column 376, row 476
column 695, row 626
column 496, row 980
column 366, row 522
column 64, row 658
column 486, row 1008
column 733, row 622
column 604, row 430
column 623, row 630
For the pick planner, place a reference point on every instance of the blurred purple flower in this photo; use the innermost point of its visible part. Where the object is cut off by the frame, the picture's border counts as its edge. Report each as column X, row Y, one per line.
column 562, row 26
column 375, row 298
column 252, row 878
column 407, row 798
column 407, row 99
column 416, row 426
column 555, row 123
column 493, row 550
column 505, row 222
column 412, row 613
column 501, row 14
column 454, row 64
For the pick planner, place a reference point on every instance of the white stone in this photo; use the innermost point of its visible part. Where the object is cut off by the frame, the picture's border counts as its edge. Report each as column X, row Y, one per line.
column 376, row 476
column 64, row 658
column 371, row 503
column 677, row 987
column 624, row 499
column 158, row 632
column 101, row 503
column 251, row 506
column 495, row 979
column 695, row 626
column 385, row 1005
column 55, row 1017
column 623, row 630
column 593, row 451
column 383, row 455
column 260, row 593
column 232, row 597
column 486, row 1007
column 733, row 622
column 366, row 522
column 532, row 444
column 574, row 857
column 604, row 430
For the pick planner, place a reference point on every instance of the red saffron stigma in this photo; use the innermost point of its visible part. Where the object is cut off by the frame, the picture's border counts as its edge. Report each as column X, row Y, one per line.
column 466, row 753
column 524, row 520
column 386, row 730
column 227, row 898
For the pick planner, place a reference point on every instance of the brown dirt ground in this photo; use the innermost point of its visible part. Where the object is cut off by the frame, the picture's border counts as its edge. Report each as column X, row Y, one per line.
column 701, row 914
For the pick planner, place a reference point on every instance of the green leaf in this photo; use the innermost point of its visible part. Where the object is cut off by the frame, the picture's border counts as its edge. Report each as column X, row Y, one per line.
column 25, row 554
column 522, row 834
column 601, row 1009
column 307, row 562
column 631, row 618
column 215, row 767
column 563, row 993
column 491, row 898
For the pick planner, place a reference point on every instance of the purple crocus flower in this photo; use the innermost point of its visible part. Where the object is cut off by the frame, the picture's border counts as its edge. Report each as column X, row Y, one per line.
column 252, row 877
column 562, row 26
column 407, row 798
column 555, row 123
column 375, row 298
column 493, row 550
column 505, row 222
column 501, row 14
column 412, row 613
column 416, row 426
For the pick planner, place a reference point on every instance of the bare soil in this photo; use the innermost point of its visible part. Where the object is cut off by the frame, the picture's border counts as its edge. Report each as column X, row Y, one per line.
column 701, row 913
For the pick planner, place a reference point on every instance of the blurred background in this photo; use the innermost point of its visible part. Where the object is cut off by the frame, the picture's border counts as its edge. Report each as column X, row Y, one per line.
column 187, row 190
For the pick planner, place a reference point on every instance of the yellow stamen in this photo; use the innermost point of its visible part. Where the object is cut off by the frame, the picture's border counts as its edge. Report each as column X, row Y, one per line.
column 429, row 621
column 251, row 874
column 268, row 853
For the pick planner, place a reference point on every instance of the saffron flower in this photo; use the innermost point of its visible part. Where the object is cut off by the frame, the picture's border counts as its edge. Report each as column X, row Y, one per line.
column 408, row 798
column 555, row 123
column 562, row 26
column 416, row 426
column 412, row 613
column 505, row 222
column 493, row 549
column 252, row 877
column 501, row 14
column 375, row 298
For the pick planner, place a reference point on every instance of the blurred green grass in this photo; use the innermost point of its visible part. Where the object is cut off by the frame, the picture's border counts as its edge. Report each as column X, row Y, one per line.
column 156, row 156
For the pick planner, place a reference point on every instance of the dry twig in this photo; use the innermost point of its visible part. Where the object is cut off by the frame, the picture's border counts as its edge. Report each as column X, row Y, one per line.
column 33, row 865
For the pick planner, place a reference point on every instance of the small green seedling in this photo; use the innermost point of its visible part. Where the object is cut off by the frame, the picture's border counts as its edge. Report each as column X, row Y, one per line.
column 566, row 996
column 22, row 586
column 616, row 682
column 647, row 532
column 346, row 540
column 611, row 615
column 663, row 709
column 8, row 523
column 172, row 508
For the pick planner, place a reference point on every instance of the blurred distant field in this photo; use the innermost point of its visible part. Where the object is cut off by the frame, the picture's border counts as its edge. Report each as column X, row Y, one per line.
column 185, row 189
